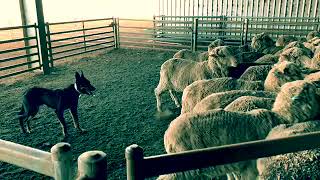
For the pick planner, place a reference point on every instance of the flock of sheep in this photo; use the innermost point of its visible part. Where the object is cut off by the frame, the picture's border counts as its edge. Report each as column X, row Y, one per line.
column 265, row 90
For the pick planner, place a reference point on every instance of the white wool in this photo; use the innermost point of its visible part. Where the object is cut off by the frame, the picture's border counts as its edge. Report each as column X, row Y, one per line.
column 222, row 99
column 256, row 73
column 188, row 54
column 296, row 102
column 198, row 90
column 282, row 73
column 248, row 103
column 298, row 165
column 176, row 74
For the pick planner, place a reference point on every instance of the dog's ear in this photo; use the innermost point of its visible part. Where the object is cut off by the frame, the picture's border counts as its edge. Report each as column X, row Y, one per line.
column 81, row 73
column 77, row 76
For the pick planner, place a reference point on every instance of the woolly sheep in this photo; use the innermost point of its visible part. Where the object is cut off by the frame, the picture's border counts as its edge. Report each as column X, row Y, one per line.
column 248, row 103
column 256, row 73
column 299, row 57
column 222, row 99
column 280, row 74
column 264, row 43
column 312, row 35
column 176, row 74
column 188, row 54
column 283, row 40
column 215, row 43
column 198, row 90
column 298, row 165
column 312, row 44
column 295, row 103
column 268, row 58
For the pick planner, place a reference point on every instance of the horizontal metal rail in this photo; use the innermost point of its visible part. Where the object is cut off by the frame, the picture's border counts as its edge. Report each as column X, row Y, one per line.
column 19, row 65
column 80, row 21
column 81, row 36
column 16, row 27
column 88, row 51
column 17, row 49
column 17, row 57
column 81, row 42
column 16, row 40
column 83, row 47
column 157, row 39
column 78, row 30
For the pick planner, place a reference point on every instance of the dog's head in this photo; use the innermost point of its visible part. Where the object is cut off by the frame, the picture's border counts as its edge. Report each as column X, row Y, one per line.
column 83, row 84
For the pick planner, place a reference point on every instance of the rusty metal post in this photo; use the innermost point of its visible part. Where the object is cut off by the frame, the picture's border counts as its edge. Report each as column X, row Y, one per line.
column 195, row 35
column 42, row 37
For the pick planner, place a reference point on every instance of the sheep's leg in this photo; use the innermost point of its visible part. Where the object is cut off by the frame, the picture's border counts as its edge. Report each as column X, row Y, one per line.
column 174, row 98
column 158, row 98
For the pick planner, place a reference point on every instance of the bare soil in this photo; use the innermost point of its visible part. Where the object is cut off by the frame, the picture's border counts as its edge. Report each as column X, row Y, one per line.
column 122, row 112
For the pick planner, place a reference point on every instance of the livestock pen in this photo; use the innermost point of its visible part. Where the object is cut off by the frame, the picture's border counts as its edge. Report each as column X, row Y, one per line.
column 125, row 72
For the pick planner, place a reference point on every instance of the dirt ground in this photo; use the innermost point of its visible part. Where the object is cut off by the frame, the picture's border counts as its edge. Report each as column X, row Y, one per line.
column 122, row 112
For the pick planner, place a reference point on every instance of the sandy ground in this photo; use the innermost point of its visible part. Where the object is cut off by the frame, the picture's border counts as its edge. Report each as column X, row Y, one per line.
column 122, row 112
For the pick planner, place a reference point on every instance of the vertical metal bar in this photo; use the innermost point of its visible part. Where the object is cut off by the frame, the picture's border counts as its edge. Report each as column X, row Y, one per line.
column 118, row 32
column 42, row 36
column 308, row 15
column 316, row 9
column 134, row 160
column 154, row 32
column 195, row 35
column 115, row 33
column 26, row 32
column 84, row 37
column 49, row 44
column 37, row 44
column 246, row 31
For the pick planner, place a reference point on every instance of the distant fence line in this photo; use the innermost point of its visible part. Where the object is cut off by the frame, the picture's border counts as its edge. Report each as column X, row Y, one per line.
column 176, row 32
column 248, row 8
column 169, row 33
column 21, row 54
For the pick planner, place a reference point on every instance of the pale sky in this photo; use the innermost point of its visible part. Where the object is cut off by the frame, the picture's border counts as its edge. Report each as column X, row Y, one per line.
column 65, row 10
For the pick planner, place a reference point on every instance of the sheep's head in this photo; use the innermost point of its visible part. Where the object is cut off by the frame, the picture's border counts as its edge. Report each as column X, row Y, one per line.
column 215, row 43
column 313, row 34
column 262, row 41
column 223, row 57
column 297, row 101
column 296, row 55
column 283, row 40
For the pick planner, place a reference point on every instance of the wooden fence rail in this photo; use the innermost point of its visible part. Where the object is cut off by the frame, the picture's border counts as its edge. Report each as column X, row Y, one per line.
column 57, row 164
column 140, row 167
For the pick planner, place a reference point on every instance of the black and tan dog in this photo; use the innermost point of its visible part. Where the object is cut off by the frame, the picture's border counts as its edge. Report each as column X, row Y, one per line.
column 59, row 99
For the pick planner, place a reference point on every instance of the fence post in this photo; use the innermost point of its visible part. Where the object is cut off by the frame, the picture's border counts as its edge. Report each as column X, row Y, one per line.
column 246, row 22
column 49, row 44
column 134, row 159
column 195, row 35
column 84, row 37
column 154, row 31
column 115, row 32
column 62, row 161
column 118, row 32
column 92, row 165
column 42, row 37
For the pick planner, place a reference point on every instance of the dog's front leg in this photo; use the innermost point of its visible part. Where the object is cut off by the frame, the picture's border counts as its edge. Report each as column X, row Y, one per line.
column 62, row 122
column 74, row 113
